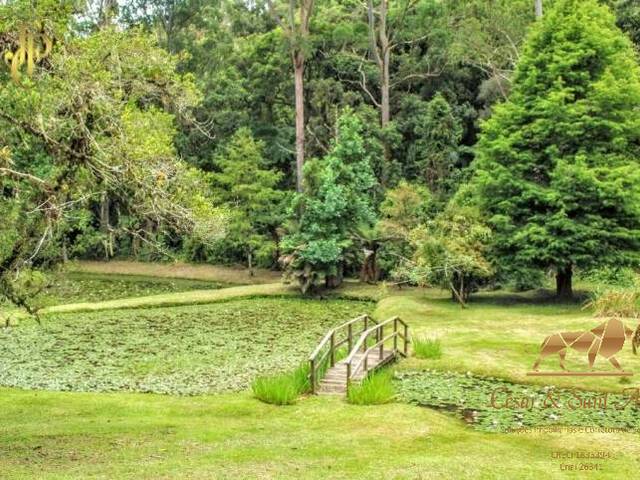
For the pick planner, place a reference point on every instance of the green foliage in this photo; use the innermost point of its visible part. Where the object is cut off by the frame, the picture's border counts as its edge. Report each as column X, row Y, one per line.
column 611, row 276
column 628, row 13
column 337, row 198
column 375, row 389
column 284, row 388
column 98, row 123
column 440, row 135
column 557, row 165
column 469, row 396
column 404, row 207
column 189, row 350
column 450, row 252
column 248, row 190
column 424, row 347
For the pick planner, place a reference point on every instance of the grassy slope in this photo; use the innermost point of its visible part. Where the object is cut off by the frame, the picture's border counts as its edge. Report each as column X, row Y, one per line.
column 194, row 297
column 500, row 335
column 213, row 273
column 63, row 436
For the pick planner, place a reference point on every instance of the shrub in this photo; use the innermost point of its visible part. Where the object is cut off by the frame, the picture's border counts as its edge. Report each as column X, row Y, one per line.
column 427, row 347
column 375, row 389
column 615, row 303
column 284, row 388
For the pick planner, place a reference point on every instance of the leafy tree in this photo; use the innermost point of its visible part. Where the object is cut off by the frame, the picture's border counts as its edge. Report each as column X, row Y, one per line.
column 557, row 166
column 337, row 199
column 450, row 252
column 249, row 191
column 439, row 144
column 628, row 12
column 98, row 117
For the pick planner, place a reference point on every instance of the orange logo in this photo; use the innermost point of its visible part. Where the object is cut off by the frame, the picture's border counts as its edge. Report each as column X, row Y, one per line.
column 606, row 340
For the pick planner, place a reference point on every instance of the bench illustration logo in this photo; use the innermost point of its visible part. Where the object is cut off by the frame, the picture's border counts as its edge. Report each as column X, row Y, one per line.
column 604, row 341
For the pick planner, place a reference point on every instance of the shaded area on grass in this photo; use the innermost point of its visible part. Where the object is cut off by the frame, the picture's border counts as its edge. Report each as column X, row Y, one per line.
column 492, row 404
column 179, row 350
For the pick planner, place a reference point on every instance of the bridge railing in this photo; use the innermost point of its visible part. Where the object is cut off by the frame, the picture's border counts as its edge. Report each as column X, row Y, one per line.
column 358, row 358
column 324, row 356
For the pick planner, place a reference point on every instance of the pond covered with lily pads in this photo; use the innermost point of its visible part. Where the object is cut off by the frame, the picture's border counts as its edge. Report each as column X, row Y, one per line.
column 496, row 405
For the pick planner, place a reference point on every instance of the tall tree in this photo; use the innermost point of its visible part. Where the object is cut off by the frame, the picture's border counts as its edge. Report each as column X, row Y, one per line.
column 337, row 199
column 100, row 116
column 297, row 33
column 557, row 164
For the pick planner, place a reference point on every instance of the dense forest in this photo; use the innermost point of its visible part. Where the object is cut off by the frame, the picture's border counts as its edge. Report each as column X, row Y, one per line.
column 455, row 143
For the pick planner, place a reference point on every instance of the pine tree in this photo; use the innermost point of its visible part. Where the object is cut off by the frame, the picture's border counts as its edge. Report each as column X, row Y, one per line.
column 557, row 164
column 336, row 200
column 248, row 189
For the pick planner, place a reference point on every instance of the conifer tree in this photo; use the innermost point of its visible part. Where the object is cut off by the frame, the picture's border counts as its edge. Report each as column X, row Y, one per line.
column 557, row 163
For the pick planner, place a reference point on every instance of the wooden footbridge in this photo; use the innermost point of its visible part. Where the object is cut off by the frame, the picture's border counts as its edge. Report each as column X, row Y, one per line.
column 348, row 352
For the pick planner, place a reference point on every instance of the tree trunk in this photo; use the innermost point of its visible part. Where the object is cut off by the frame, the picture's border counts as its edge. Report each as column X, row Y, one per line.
column 298, row 66
column 334, row 281
column 105, row 226
column 385, row 83
column 538, row 8
column 369, row 272
column 564, row 287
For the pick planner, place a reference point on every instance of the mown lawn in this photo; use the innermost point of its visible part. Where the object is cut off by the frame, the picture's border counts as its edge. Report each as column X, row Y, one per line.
column 500, row 334
column 146, row 343
column 232, row 436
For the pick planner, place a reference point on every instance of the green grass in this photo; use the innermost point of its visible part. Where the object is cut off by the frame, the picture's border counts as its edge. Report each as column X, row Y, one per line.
column 204, row 348
column 499, row 335
column 63, row 436
column 194, row 297
column 88, row 288
column 375, row 389
column 424, row 347
column 182, row 350
column 283, row 388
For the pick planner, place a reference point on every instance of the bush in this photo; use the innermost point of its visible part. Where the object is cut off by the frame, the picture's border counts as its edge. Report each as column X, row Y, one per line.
column 375, row 389
column 284, row 388
column 615, row 303
column 427, row 348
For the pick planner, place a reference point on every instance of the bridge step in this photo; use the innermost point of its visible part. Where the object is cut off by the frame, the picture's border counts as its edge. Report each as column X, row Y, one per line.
column 335, row 380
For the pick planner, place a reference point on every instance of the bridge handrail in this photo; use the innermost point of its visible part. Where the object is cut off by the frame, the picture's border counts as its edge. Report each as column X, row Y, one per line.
column 317, row 360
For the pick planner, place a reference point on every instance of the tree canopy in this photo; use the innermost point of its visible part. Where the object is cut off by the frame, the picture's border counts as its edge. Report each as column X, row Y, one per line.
column 557, row 163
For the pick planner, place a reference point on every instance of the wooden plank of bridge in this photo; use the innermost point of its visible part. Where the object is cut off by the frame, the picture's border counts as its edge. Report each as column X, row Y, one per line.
column 335, row 380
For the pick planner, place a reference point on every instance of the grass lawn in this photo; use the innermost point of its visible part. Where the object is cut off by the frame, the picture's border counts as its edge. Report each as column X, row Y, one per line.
column 108, row 436
column 178, row 270
column 500, row 334
column 78, row 287
column 147, row 343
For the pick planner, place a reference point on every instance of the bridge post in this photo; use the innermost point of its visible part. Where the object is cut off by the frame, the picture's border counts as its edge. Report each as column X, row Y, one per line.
column 395, row 336
column 333, row 348
column 380, row 340
column 366, row 326
column 350, row 336
column 406, row 340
